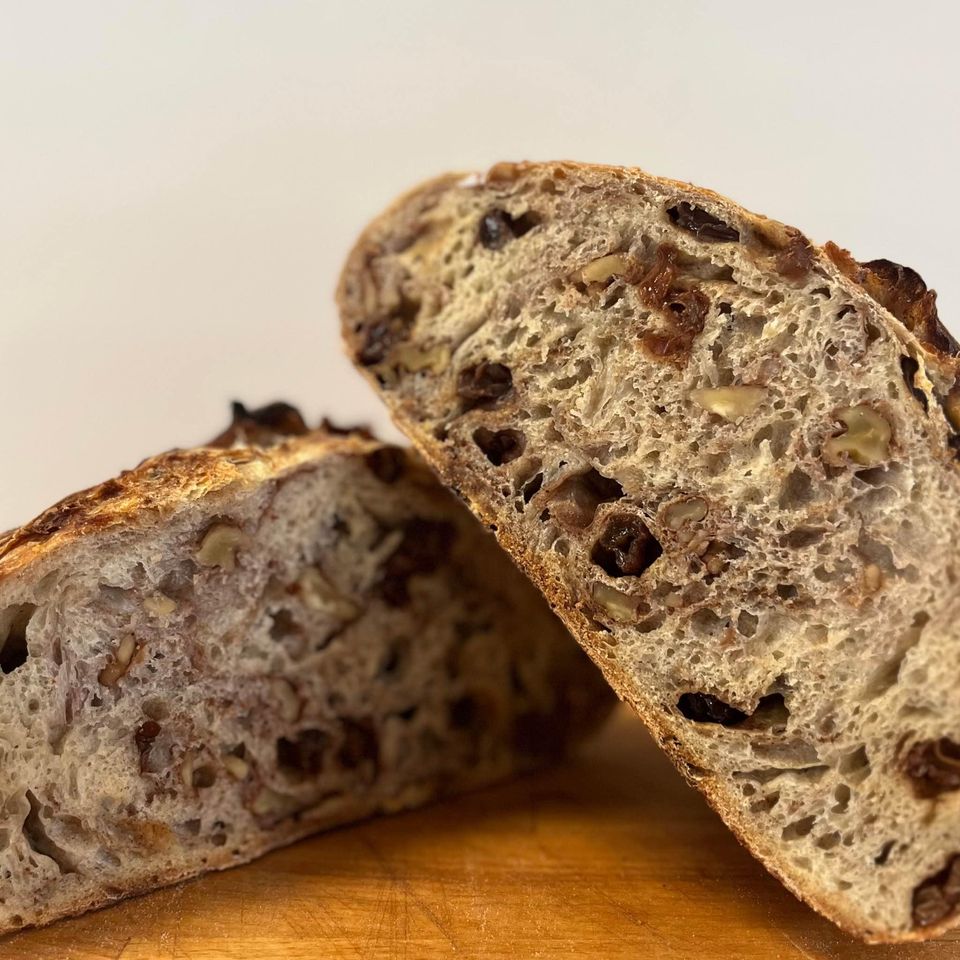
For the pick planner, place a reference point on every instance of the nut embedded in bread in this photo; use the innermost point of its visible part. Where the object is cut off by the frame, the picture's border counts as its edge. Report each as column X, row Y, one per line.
column 226, row 649
column 729, row 458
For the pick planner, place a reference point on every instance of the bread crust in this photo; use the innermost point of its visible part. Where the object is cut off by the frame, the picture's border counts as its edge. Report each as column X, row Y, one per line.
column 927, row 339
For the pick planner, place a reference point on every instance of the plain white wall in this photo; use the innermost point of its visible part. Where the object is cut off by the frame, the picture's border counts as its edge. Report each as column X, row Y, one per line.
column 179, row 181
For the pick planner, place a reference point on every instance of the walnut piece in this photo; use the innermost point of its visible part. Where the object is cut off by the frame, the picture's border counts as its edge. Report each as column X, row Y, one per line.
column 219, row 546
column 865, row 441
column 619, row 605
column 110, row 675
column 159, row 605
column 413, row 358
column 238, row 768
column 681, row 512
column 731, row 403
column 605, row 268
column 269, row 802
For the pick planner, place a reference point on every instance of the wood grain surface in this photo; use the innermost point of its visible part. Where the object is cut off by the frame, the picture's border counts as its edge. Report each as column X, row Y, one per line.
column 610, row 855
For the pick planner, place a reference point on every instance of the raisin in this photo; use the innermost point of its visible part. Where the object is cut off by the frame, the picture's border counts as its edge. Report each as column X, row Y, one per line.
column 424, row 547
column 386, row 463
column 706, row 708
column 938, row 896
column 484, row 383
column 144, row 736
column 497, row 227
column 795, row 260
column 305, row 753
column 688, row 309
column 500, row 446
column 654, row 286
column 672, row 347
column 909, row 368
column 934, row 767
column 626, row 547
column 378, row 338
column 382, row 335
column 703, row 225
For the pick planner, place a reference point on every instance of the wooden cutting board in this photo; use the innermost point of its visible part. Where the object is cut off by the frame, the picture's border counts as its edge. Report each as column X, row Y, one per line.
column 611, row 856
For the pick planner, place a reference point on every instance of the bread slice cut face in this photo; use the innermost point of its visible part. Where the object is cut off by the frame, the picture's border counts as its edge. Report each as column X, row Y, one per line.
column 229, row 648
column 728, row 457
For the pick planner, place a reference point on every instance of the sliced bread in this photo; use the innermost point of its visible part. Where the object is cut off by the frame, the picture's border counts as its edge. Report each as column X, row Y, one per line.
column 728, row 457
column 229, row 648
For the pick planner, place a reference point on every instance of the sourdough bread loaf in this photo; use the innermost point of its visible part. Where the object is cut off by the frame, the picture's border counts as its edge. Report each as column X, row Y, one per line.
column 229, row 648
column 728, row 457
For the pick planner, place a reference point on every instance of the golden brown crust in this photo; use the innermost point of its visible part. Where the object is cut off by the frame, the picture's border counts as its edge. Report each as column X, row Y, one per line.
column 143, row 495
column 911, row 313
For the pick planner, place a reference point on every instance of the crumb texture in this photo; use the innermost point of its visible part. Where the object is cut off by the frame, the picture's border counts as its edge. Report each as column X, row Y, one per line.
column 729, row 458
column 228, row 649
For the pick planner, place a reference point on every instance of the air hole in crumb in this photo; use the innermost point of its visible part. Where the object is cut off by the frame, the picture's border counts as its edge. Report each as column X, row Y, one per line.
column 304, row 754
column 13, row 636
column 499, row 446
column 192, row 827
column 884, row 855
column 855, row 765
column 466, row 713
column 574, row 501
column 35, row 833
column 827, row 841
column 798, row 829
column 203, row 777
column 531, row 487
column 283, row 625
column 747, row 623
column 797, row 490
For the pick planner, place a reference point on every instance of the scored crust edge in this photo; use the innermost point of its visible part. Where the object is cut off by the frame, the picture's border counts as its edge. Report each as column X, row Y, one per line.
column 854, row 277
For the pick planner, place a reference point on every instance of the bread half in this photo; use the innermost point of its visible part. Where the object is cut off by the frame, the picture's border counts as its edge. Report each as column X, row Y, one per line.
column 226, row 649
column 728, row 457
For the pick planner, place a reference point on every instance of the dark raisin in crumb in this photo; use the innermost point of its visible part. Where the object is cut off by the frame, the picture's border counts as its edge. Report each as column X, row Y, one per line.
column 938, row 896
column 146, row 733
column 497, row 227
column 626, row 547
column 706, row 708
column 934, row 766
column 703, row 225
column 795, row 260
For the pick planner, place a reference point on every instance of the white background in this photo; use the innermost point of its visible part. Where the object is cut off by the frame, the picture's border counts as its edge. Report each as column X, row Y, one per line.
column 179, row 181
